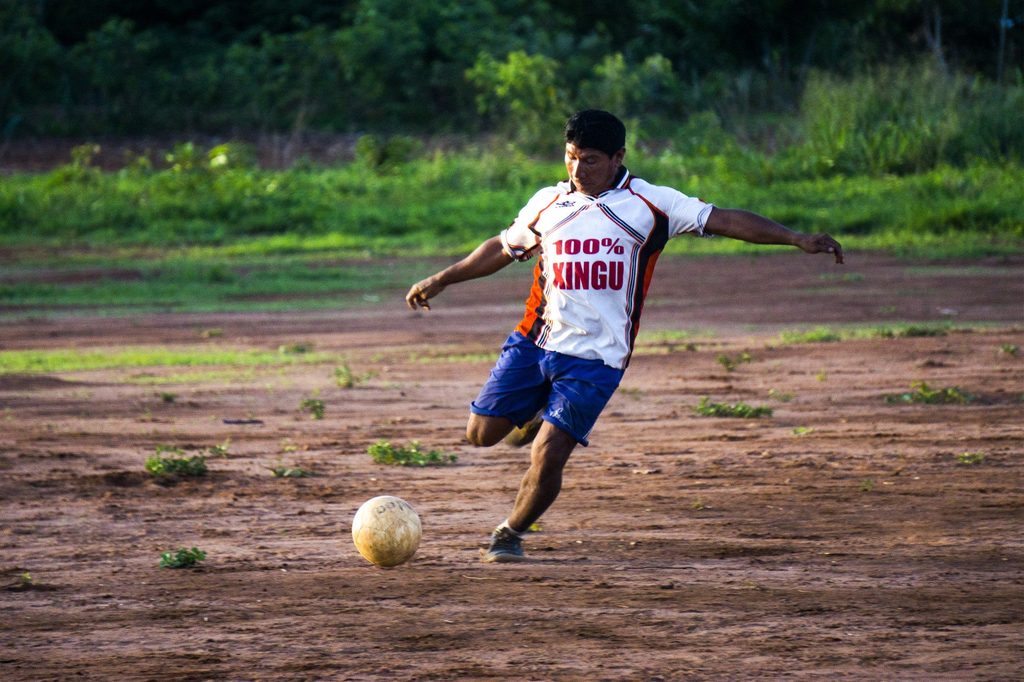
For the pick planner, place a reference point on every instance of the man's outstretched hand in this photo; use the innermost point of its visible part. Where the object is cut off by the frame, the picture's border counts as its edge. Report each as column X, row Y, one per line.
column 822, row 243
column 420, row 294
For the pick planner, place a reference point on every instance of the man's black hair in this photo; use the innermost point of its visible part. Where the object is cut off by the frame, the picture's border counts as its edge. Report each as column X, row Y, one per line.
column 596, row 129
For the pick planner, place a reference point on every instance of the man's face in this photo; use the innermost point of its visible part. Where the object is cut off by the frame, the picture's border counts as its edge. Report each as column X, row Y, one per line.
column 591, row 170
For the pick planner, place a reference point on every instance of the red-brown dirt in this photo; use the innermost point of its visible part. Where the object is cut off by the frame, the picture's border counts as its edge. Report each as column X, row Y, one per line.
column 840, row 537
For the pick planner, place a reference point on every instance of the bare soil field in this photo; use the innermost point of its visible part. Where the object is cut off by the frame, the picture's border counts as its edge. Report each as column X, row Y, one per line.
column 844, row 536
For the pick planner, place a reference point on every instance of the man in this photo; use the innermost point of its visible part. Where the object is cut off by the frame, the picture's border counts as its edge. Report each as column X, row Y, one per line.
column 597, row 237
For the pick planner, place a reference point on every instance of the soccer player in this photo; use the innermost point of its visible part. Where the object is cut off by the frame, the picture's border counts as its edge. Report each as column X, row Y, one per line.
column 596, row 237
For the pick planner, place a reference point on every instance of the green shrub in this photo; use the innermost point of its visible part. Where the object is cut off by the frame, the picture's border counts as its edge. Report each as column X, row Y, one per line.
column 383, row 452
column 739, row 410
column 921, row 392
column 182, row 558
column 175, row 466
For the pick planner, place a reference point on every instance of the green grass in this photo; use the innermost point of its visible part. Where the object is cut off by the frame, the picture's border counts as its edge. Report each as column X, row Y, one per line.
column 183, row 284
column 893, row 331
column 970, row 458
column 76, row 240
column 182, row 558
column 738, row 410
column 383, row 452
column 77, row 360
column 176, row 465
column 921, row 392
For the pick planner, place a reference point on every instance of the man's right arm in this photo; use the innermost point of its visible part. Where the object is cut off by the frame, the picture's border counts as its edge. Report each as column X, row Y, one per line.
column 485, row 260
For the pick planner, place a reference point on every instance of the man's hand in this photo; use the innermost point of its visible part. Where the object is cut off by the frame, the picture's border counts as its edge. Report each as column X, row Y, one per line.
column 821, row 243
column 485, row 260
column 420, row 294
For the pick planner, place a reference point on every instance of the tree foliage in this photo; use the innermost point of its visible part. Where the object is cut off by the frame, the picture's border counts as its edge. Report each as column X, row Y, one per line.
column 130, row 66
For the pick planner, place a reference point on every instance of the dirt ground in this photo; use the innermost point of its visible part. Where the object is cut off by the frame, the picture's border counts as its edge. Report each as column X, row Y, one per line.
column 841, row 537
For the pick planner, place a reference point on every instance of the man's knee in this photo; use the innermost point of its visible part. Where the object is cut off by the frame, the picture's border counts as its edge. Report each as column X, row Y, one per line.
column 551, row 450
column 484, row 431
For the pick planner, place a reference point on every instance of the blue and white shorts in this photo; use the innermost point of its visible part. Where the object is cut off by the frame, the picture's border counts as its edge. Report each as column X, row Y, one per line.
column 571, row 391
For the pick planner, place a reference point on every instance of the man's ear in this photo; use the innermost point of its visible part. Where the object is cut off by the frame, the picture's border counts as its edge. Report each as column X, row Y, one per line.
column 618, row 156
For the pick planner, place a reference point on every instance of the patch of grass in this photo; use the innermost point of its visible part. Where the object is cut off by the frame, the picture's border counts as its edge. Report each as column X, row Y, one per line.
column 816, row 335
column 908, row 331
column 1009, row 349
column 344, row 377
column 730, row 363
column 176, row 465
column 220, row 450
column 178, row 283
column 182, row 558
column 896, row 331
column 77, row 360
column 922, row 393
column 383, row 452
column 740, row 410
column 314, row 406
column 970, row 458
column 802, row 430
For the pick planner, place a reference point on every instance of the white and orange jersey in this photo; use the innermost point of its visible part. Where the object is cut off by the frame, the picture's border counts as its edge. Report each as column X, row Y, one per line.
column 597, row 255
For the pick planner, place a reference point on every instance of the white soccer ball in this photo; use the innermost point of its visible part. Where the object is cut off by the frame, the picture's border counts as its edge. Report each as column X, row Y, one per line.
column 386, row 530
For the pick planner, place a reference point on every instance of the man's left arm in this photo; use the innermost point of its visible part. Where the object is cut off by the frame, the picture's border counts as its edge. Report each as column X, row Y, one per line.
column 756, row 229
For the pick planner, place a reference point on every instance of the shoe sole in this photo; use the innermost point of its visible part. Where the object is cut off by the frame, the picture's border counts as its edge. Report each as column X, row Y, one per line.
column 488, row 558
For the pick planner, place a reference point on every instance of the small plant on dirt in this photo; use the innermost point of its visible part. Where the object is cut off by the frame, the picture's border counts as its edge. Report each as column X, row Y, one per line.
column 168, row 397
column 182, row 558
column 779, row 395
column 219, row 450
column 867, row 485
column 698, row 505
column 921, row 392
column 970, row 458
column 741, row 410
column 802, row 430
column 730, row 363
column 817, row 335
column 344, row 377
column 821, row 376
column 314, row 406
column 178, row 465
column 383, row 452
column 291, row 472
column 1009, row 349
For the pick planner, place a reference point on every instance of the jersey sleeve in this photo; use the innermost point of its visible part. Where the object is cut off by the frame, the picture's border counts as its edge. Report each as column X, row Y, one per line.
column 520, row 240
column 685, row 213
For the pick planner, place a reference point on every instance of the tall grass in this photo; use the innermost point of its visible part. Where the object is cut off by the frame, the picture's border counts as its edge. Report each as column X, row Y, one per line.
column 910, row 118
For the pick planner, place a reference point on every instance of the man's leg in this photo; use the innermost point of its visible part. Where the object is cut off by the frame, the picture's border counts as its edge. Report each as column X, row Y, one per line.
column 538, row 489
column 543, row 480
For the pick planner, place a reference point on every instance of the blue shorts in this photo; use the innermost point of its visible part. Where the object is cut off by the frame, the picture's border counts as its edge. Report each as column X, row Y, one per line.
column 527, row 379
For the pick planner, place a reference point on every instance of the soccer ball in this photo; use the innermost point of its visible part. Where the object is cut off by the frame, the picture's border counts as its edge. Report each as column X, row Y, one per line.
column 386, row 530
